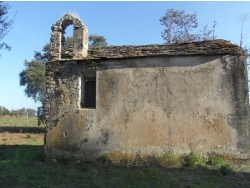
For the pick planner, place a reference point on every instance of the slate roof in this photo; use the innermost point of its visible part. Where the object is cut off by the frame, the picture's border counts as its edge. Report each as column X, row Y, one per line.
column 212, row 47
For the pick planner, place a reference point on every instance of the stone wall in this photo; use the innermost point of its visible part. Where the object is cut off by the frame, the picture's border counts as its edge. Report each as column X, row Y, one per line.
column 149, row 105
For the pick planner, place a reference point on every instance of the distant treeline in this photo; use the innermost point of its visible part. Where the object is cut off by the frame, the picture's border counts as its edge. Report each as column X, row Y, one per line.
column 26, row 112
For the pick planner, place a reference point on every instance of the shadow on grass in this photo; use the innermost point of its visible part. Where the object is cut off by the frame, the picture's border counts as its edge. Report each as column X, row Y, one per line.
column 14, row 129
column 21, row 153
column 24, row 165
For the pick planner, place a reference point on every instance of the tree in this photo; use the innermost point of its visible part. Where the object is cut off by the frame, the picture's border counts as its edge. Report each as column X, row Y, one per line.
column 94, row 40
column 43, row 56
column 4, row 111
column 181, row 27
column 5, row 24
column 243, row 18
column 33, row 77
column 26, row 112
column 66, row 45
column 97, row 40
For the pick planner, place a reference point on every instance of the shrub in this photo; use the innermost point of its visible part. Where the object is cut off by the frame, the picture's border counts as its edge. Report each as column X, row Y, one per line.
column 104, row 159
column 171, row 160
column 216, row 160
column 28, row 135
column 124, row 162
column 64, row 160
column 225, row 169
column 193, row 160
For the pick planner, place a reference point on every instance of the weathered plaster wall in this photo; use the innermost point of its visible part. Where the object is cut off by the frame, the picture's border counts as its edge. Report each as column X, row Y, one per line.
column 149, row 105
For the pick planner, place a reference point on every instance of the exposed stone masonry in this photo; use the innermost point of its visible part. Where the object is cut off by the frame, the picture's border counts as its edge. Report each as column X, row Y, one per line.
column 219, row 47
column 80, row 37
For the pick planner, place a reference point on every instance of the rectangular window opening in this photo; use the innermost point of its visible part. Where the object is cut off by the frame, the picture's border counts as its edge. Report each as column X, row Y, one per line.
column 88, row 93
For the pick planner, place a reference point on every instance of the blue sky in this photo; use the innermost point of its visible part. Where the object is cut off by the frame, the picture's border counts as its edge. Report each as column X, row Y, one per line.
column 121, row 23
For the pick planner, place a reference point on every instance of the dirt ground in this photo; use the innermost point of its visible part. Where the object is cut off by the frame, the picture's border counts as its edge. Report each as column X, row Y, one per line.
column 7, row 138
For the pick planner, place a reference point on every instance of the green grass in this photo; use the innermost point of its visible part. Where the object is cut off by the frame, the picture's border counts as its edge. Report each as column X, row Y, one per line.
column 25, row 166
column 18, row 121
column 20, row 124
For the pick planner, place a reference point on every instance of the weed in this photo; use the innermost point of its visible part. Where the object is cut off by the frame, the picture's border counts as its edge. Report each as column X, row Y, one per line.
column 216, row 161
column 104, row 160
column 93, row 64
column 152, row 174
column 225, row 169
column 153, row 160
column 84, row 167
column 124, row 162
column 62, row 90
column 64, row 160
column 139, row 161
column 193, row 160
column 28, row 135
column 170, row 160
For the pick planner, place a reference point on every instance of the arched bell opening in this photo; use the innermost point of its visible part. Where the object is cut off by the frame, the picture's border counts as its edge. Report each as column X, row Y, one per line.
column 67, row 42
column 58, row 45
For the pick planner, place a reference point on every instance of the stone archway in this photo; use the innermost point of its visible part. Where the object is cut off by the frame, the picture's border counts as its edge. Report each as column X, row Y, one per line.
column 80, row 37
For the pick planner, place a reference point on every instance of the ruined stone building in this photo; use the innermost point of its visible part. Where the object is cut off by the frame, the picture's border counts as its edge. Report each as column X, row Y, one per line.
column 145, row 100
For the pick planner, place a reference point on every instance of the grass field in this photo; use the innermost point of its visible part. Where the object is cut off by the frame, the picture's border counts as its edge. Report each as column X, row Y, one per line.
column 22, row 164
column 18, row 121
column 20, row 125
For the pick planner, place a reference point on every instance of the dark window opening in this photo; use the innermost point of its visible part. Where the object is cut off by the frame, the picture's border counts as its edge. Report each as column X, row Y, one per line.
column 89, row 94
